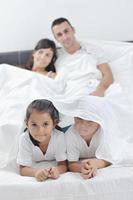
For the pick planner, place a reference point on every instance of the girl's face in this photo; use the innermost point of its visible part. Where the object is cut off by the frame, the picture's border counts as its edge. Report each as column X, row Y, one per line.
column 42, row 58
column 40, row 126
column 85, row 128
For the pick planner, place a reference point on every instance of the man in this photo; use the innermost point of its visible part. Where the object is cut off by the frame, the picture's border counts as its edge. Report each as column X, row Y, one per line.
column 64, row 33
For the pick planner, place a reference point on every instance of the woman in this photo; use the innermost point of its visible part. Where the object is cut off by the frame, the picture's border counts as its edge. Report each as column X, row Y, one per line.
column 43, row 58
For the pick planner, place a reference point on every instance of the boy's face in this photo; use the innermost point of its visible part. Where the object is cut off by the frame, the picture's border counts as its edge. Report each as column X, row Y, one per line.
column 85, row 128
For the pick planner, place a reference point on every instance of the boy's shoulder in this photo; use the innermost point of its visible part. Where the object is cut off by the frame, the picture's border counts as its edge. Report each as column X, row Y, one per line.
column 71, row 132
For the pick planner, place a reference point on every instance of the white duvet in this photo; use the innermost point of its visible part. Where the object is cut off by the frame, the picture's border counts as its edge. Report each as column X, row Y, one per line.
column 19, row 87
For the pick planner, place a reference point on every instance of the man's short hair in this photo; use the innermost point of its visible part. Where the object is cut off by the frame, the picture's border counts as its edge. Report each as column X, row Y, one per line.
column 59, row 21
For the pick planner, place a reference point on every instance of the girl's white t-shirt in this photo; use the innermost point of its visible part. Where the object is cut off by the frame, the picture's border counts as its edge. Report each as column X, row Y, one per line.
column 29, row 153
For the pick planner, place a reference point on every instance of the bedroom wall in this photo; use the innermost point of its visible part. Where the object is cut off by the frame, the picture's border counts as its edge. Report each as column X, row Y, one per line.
column 24, row 22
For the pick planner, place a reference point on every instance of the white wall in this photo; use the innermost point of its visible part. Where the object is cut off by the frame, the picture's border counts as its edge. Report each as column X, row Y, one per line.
column 24, row 22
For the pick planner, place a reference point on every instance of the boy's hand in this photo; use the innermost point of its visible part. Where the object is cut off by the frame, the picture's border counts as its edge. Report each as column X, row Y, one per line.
column 89, row 168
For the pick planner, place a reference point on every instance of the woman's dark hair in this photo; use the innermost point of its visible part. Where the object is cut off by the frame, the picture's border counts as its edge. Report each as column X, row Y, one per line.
column 44, row 44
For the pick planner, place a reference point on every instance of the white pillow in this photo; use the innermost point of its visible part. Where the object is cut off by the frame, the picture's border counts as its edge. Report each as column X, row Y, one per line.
column 113, row 49
column 122, row 69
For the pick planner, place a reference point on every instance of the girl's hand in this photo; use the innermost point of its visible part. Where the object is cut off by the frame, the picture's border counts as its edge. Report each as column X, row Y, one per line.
column 41, row 174
column 54, row 173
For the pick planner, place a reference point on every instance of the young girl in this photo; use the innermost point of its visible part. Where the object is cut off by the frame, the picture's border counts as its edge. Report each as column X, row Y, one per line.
column 42, row 141
column 83, row 139
column 43, row 58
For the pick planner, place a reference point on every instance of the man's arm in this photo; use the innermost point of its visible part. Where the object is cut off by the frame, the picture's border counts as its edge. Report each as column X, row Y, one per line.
column 106, row 81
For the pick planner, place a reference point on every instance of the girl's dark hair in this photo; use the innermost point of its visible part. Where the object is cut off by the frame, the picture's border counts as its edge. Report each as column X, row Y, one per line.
column 42, row 105
column 44, row 44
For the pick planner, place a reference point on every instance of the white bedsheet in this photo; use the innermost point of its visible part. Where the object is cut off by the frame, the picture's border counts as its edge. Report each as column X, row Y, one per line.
column 111, row 183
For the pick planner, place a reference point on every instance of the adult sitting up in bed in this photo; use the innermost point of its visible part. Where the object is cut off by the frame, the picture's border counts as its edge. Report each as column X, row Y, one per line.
column 72, row 50
column 43, row 58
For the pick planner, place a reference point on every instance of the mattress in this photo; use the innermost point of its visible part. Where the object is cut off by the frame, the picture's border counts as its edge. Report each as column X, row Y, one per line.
column 111, row 183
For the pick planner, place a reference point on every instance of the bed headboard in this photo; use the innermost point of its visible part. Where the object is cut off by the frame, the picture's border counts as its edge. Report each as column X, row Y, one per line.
column 17, row 58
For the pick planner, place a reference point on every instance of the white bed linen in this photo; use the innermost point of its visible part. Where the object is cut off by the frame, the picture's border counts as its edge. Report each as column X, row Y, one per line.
column 111, row 183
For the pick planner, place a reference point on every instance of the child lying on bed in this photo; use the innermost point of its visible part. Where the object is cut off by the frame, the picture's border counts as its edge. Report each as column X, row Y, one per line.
column 42, row 141
column 43, row 58
column 83, row 139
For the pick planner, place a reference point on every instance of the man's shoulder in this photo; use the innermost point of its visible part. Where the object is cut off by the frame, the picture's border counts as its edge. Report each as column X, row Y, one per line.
column 90, row 46
column 60, row 51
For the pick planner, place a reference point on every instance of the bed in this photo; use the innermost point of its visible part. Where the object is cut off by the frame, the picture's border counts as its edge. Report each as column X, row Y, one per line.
column 111, row 183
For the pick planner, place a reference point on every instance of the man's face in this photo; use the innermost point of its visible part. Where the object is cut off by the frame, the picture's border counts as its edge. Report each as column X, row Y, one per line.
column 64, row 34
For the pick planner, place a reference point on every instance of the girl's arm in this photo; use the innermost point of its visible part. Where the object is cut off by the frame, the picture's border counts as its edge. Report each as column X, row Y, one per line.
column 39, row 174
column 74, row 166
column 62, row 167
column 27, row 171
column 57, row 170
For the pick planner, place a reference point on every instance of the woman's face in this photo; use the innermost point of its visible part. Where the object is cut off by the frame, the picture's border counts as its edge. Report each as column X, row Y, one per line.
column 40, row 126
column 85, row 128
column 42, row 58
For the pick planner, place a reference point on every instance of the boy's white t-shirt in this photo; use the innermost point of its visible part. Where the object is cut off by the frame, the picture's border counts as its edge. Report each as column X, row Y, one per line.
column 77, row 147
column 29, row 153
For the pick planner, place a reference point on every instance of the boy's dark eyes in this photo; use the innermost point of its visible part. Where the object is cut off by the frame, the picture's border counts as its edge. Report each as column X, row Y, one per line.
column 66, row 31
column 78, row 118
column 45, row 124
